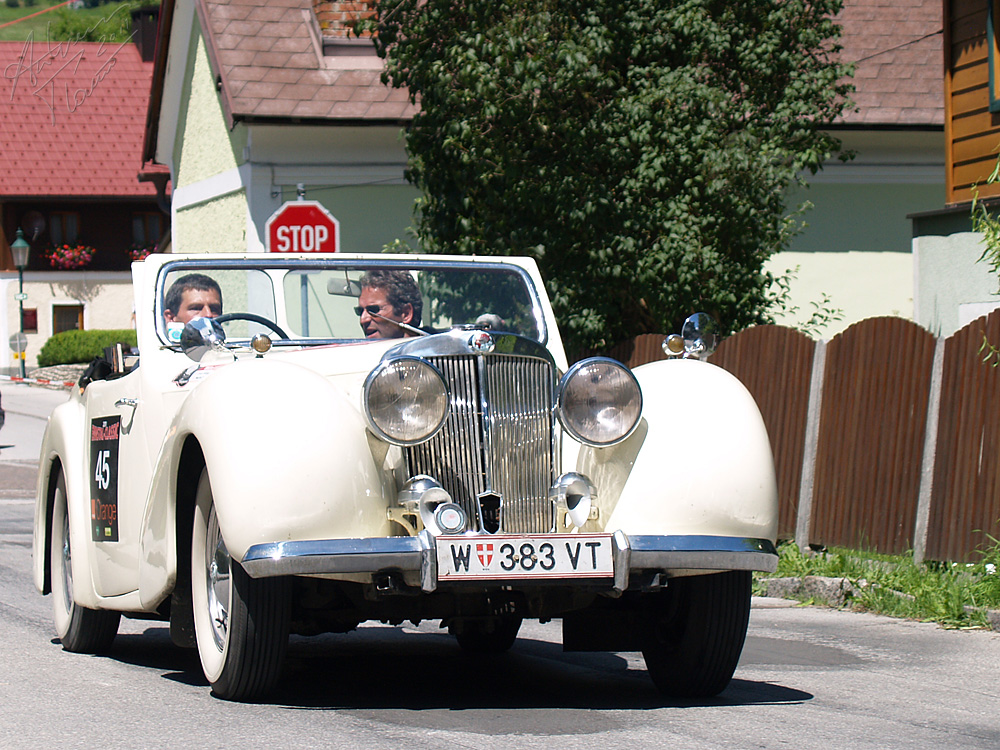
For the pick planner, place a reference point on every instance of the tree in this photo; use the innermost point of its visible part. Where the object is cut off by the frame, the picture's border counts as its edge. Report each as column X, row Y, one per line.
column 638, row 151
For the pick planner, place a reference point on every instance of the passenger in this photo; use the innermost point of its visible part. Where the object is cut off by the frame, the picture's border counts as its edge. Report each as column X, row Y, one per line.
column 193, row 295
column 390, row 305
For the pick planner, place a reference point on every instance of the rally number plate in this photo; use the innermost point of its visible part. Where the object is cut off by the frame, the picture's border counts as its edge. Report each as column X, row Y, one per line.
column 534, row 556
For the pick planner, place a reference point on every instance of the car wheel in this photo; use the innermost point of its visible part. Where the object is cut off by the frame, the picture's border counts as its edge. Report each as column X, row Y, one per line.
column 81, row 630
column 241, row 624
column 693, row 633
column 492, row 635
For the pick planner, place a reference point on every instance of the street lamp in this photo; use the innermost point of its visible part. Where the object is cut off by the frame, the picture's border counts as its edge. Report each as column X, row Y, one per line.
column 19, row 248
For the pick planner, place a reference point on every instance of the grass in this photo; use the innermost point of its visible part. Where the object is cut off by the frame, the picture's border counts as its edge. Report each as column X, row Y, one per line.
column 72, row 21
column 951, row 594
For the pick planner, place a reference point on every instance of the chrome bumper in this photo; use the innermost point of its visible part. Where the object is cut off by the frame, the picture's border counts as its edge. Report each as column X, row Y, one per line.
column 416, row 554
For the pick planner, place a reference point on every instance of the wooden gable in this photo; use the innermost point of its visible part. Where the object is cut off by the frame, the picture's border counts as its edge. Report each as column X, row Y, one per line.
column 972, row 98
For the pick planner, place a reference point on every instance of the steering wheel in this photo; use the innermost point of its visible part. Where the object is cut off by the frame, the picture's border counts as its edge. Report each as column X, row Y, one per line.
column 253, row 318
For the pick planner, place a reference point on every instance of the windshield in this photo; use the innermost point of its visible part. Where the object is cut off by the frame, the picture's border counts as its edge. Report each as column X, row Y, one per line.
column 320, row 301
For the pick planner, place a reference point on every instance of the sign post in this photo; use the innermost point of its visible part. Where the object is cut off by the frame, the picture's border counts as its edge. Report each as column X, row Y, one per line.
column 302, row 227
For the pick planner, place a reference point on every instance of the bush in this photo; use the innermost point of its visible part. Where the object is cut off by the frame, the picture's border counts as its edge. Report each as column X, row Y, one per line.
column 70, row 347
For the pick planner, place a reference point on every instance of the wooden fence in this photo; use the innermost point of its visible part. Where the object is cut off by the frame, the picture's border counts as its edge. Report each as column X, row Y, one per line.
column 885, row 437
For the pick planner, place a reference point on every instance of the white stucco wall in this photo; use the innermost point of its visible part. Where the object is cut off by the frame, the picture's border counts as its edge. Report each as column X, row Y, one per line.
column 215, row 226
column 106, row 298
column 204, row 146
column 859, row 284
column 857, row 245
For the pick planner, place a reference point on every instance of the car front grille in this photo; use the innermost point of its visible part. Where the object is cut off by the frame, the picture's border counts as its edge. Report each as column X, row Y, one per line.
column 497, row 438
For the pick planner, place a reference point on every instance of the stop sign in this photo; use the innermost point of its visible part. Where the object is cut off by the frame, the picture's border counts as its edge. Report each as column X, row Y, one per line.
column 302, row 227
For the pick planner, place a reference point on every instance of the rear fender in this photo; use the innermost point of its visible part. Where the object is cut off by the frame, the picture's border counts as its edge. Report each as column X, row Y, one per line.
column 63, row 450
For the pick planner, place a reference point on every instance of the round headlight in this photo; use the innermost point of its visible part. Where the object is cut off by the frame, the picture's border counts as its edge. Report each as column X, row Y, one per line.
column 406, row 400
column 599, row 401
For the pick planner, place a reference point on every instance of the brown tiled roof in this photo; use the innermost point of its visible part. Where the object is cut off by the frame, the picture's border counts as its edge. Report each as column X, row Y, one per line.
column 896, row 46
column 71, row 119
column 268, row 54
column 270, row 59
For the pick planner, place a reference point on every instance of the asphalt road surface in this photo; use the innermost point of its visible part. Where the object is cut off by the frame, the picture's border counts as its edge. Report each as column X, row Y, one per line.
column 809, row 677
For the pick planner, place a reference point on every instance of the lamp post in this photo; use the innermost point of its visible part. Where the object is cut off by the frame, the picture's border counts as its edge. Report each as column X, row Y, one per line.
column 19, row 248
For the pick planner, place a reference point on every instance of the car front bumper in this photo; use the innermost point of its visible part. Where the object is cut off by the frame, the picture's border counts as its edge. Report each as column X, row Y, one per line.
column 416, row 554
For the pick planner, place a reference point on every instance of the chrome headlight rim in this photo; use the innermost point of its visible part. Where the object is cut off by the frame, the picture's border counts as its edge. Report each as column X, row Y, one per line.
column 371, row 382
column 567, row 423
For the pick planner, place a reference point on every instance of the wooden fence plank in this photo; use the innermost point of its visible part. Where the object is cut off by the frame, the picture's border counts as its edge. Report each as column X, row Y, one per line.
column 876, row 385
column 965, row 498
column 775, row 364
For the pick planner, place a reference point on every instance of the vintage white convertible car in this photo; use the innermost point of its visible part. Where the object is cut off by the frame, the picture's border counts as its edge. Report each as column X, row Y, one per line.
column 273, row 471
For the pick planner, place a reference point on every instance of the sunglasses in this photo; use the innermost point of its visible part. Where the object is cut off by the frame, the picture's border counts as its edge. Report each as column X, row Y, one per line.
column 371, row 309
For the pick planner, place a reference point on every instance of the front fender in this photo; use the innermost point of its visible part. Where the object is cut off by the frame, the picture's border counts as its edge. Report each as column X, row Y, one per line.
column 699, row 463
column 288, row 459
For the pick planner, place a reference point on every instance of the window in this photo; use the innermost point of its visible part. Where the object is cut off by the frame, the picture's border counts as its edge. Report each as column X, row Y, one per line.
column 64, row 227
column 31, row 320
column 147, row 228
column 67, row 318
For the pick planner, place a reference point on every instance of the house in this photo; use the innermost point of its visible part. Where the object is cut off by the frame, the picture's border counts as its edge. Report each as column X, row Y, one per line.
column 857, row 247
column 71, row 128
column 252, row 106
column 255, row 104
column 952, row 286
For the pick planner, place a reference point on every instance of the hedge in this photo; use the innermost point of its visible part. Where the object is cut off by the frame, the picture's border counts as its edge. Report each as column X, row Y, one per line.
column 70, row 347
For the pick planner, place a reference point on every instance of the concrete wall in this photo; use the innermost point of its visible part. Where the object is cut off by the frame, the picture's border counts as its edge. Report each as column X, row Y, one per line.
column 953, row 286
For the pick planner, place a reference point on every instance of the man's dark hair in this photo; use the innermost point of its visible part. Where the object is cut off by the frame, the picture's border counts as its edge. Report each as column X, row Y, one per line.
column 199, row 281
column 400, row 289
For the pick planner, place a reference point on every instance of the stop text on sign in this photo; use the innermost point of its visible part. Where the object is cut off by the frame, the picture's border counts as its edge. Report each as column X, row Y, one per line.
column 306, row 239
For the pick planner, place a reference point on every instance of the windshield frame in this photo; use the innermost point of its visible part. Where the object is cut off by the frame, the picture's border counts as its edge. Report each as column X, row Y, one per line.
column 208, row 263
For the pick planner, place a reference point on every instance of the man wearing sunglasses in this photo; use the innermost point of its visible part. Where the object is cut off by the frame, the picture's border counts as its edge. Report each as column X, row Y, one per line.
column 390, row 305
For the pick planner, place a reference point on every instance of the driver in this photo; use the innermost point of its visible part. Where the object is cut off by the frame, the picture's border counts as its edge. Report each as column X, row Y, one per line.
column 193, row 295
column 390, row 305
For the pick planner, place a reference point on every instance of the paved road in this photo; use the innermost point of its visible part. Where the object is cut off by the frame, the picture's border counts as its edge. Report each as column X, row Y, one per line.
column 809, row 678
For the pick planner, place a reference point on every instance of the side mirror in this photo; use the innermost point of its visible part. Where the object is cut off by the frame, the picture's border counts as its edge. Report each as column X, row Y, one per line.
column 202, row 335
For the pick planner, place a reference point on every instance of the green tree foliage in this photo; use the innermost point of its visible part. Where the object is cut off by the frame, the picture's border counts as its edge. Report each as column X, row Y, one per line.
column 638, row 151
column 75, row 26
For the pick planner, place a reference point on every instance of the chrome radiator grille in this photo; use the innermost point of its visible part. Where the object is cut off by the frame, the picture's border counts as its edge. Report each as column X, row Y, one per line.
column 497, row 438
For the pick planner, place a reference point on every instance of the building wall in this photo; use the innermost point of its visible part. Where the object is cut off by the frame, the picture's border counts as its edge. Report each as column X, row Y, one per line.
column 370, row 217
column 204, row 147
column 209, row 204
column 953, row 286
column 856, row 247
column 106, row 298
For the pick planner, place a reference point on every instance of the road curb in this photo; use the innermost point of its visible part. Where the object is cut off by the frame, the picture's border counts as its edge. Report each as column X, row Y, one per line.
column 837, row 592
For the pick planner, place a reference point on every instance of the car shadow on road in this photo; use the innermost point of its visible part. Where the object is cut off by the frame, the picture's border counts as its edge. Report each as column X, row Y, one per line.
column 392, row 668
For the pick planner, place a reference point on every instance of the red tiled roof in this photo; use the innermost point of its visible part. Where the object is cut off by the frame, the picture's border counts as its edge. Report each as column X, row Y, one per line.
column 896, row 46
column 272, row 65
column 71, row 119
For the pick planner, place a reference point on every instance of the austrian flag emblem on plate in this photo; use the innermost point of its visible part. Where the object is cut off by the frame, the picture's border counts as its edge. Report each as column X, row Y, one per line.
column 484, row 551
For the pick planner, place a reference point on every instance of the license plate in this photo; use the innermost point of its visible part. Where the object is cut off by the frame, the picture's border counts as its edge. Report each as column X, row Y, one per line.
column 534, row 557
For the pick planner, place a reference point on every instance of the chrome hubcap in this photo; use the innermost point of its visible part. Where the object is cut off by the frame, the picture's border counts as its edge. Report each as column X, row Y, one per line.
column 67, row 569
column 219, row 584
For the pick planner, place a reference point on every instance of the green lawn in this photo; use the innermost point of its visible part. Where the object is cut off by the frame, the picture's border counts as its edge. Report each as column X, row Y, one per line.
column 63, row 24
column 952, row 594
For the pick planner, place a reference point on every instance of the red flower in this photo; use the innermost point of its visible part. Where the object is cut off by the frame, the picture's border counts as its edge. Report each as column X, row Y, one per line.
column 69, row 257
